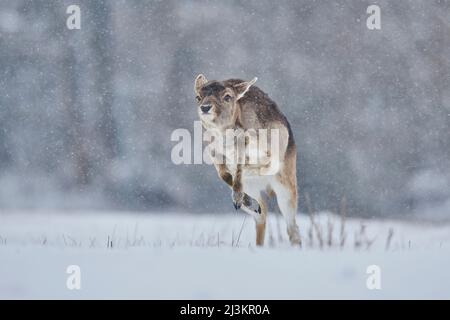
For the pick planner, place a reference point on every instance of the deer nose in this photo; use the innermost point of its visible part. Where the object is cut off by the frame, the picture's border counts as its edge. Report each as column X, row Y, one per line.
column 205, row 108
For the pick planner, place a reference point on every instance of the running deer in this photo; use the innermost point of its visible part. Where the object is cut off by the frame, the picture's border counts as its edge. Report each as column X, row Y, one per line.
column 245, row 110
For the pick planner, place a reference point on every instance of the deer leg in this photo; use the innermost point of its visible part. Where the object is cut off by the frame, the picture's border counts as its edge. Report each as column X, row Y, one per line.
column 237, row 195
column 249, row 205
column 261, row 223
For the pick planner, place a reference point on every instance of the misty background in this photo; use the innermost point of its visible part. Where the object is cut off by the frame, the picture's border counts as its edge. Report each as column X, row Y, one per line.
column 86, row 115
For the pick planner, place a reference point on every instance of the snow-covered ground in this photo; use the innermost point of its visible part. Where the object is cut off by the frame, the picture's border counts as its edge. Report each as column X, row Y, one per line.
column 184, row 256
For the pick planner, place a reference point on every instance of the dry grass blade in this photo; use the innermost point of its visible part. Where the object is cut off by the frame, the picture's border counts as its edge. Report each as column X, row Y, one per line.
column 389, row 238
column 343, row 212
column 240, row 231
column 330, row 228
column 313, row 223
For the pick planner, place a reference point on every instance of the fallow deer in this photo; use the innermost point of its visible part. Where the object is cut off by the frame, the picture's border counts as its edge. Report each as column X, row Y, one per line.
column 240, row 106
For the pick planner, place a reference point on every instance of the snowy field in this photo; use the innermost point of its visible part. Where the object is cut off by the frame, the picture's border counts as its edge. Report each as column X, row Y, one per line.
column 184, row 256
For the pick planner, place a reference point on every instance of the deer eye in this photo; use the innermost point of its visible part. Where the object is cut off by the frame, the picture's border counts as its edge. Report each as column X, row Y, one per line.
column 198, row 98
column 227, row 98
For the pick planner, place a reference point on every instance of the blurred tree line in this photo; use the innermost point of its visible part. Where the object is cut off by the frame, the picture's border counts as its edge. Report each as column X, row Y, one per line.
column 86, row 115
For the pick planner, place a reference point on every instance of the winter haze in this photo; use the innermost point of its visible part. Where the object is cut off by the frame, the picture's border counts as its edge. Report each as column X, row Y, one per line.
column 87, row 179
column 86, row 115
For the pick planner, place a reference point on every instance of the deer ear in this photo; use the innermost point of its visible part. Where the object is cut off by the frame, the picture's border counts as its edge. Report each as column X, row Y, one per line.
column 242, row 88
column 199, row 82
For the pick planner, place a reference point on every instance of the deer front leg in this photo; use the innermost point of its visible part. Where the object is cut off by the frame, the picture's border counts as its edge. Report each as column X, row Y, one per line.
column 238, row 195
column 224, row 174
column 249, row 204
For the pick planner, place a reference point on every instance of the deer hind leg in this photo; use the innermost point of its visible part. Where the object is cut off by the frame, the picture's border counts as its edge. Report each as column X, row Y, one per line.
column 255, row 188
column 260, row 222
column 287, row 202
